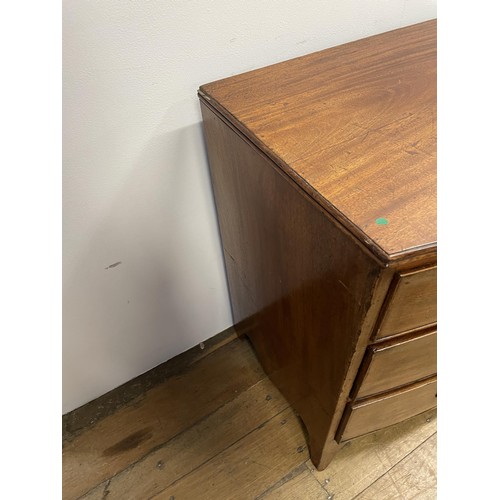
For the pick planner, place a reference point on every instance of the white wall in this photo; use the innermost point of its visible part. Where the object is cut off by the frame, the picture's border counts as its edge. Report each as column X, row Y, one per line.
column 135, row 182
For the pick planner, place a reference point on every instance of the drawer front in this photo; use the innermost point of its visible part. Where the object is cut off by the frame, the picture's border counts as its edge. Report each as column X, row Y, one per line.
column 391, row 408
column 396, row 363
column 411, row 303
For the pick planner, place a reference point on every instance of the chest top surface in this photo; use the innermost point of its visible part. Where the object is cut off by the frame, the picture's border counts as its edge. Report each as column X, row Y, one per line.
column 355, row 126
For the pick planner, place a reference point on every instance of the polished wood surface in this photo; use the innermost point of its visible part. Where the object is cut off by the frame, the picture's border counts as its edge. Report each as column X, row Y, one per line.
column 395, row 363
column 250, row 445
column 293, row 273
column 411, row 302
column 323, row 172
column 371, row 414
column 355, row 127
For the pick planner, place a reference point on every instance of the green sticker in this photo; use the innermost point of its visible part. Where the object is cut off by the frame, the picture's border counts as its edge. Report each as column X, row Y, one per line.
column 381, row 221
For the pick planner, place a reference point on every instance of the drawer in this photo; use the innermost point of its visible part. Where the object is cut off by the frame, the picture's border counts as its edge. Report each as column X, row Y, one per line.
column 375, row 413
column 395, row 363
column 411, row 302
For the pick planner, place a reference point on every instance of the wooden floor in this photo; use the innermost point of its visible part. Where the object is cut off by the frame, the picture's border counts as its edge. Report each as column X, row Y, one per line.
column 217, row 428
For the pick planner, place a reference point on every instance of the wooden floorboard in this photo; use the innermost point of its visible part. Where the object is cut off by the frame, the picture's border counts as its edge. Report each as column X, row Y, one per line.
column 362, row 461
column 126, row 436
column 219, row 429
column 87, row 415
column 413, row 477
column 296, row 487
column 197, row 445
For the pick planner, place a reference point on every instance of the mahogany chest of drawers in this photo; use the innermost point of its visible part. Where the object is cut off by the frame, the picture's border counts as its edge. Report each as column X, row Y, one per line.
column 324, row 176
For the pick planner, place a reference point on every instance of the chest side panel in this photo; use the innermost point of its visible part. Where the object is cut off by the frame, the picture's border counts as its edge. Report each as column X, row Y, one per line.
column 298, row 282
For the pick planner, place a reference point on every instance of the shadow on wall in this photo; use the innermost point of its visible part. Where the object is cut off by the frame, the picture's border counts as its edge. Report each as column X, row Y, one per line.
column 150, row 282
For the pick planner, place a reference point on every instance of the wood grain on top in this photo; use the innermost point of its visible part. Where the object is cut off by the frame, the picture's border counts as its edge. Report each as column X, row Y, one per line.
column 355, row 126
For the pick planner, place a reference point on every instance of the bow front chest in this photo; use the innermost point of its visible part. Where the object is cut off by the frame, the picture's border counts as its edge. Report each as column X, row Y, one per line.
column 324, row 176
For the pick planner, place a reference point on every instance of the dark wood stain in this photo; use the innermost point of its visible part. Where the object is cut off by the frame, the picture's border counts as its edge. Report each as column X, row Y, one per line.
column 128, row 443
column 197, row 384
column 80, row 419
